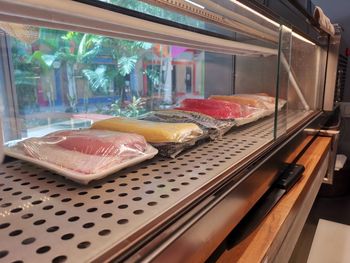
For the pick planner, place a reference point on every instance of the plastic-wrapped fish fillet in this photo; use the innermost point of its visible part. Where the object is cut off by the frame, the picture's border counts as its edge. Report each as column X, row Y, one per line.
column 211, row 127
column 169, row 138
column 218, row 109
column 84, row 155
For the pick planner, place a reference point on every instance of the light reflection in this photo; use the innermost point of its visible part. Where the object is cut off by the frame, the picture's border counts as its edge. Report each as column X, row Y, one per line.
column 194, row 3
column 24, row 206
column 271, row 21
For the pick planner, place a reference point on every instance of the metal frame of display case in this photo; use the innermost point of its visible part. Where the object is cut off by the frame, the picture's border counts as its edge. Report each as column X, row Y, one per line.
column 140, row 213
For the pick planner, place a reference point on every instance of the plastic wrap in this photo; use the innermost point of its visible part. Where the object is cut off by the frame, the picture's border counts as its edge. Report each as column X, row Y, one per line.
column 84, row 155
column 259, row 105
column 218, row 109
column 211, row 127
column 169, row 138
column 154, row 132
column 259, row 100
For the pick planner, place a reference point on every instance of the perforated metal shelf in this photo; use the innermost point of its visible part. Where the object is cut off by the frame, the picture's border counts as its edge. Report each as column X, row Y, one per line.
column 46, row 218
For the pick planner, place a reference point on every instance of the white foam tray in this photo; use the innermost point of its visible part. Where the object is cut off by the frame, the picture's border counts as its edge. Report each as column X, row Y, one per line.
column 81, row 178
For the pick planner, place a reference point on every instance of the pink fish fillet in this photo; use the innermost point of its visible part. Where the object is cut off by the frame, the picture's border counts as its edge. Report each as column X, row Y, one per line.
column 80, row 162
column 99, row 142
column 85, row 151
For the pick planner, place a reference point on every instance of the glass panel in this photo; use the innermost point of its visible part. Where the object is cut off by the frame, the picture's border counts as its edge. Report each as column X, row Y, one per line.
column 218, row 17
column 171, row 15
column 66, row 79
column 308, row 62
column 283, row 78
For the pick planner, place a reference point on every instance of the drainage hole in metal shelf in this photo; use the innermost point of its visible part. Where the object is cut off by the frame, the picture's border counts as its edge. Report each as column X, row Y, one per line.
column 39, row 222
column 67, row 236
column 52, row 229
column 61, row 212
column 17, row 180
column 43, row 249
column 4, row 225
column 26, row 197
column 73, row 218
column 106, row 215
column 59, row 259
column 26, row 216
column 138, row 212
column 91, row 210
column 106, row 232
column 123, row 221
column 16, row 210
column 37, row 202
column 28, row 241
column 83, row 245
column 15, row 233
column 3, row 253
column 89, row 225
column 5, row 205
column 48, row 207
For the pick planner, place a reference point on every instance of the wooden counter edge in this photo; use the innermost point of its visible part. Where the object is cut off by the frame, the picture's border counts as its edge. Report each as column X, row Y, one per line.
column 263, row 244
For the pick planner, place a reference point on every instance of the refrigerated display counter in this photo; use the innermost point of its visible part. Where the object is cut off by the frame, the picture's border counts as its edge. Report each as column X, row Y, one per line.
column 67, row 65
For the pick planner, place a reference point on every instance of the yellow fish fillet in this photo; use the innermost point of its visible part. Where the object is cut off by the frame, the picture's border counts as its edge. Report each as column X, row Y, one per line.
column 154, row 132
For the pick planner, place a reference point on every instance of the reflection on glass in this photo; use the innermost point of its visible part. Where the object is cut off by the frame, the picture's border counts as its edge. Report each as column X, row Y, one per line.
column 157, row 11
column 66, row 79
column 73, row 73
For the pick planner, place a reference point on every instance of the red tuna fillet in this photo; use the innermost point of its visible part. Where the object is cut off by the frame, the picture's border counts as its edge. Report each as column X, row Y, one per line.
column 214, row 108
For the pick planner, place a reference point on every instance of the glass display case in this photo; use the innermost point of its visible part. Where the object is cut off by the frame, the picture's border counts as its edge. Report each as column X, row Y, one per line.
column 69, row 64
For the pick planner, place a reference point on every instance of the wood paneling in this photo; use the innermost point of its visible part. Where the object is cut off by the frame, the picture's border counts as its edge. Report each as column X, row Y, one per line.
column 267, row 241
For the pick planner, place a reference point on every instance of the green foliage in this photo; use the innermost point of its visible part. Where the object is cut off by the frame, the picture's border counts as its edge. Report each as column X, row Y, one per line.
column 127, row 64
column 82, row 53
column 45, row 61
column 133, row 109
column 97, row 78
